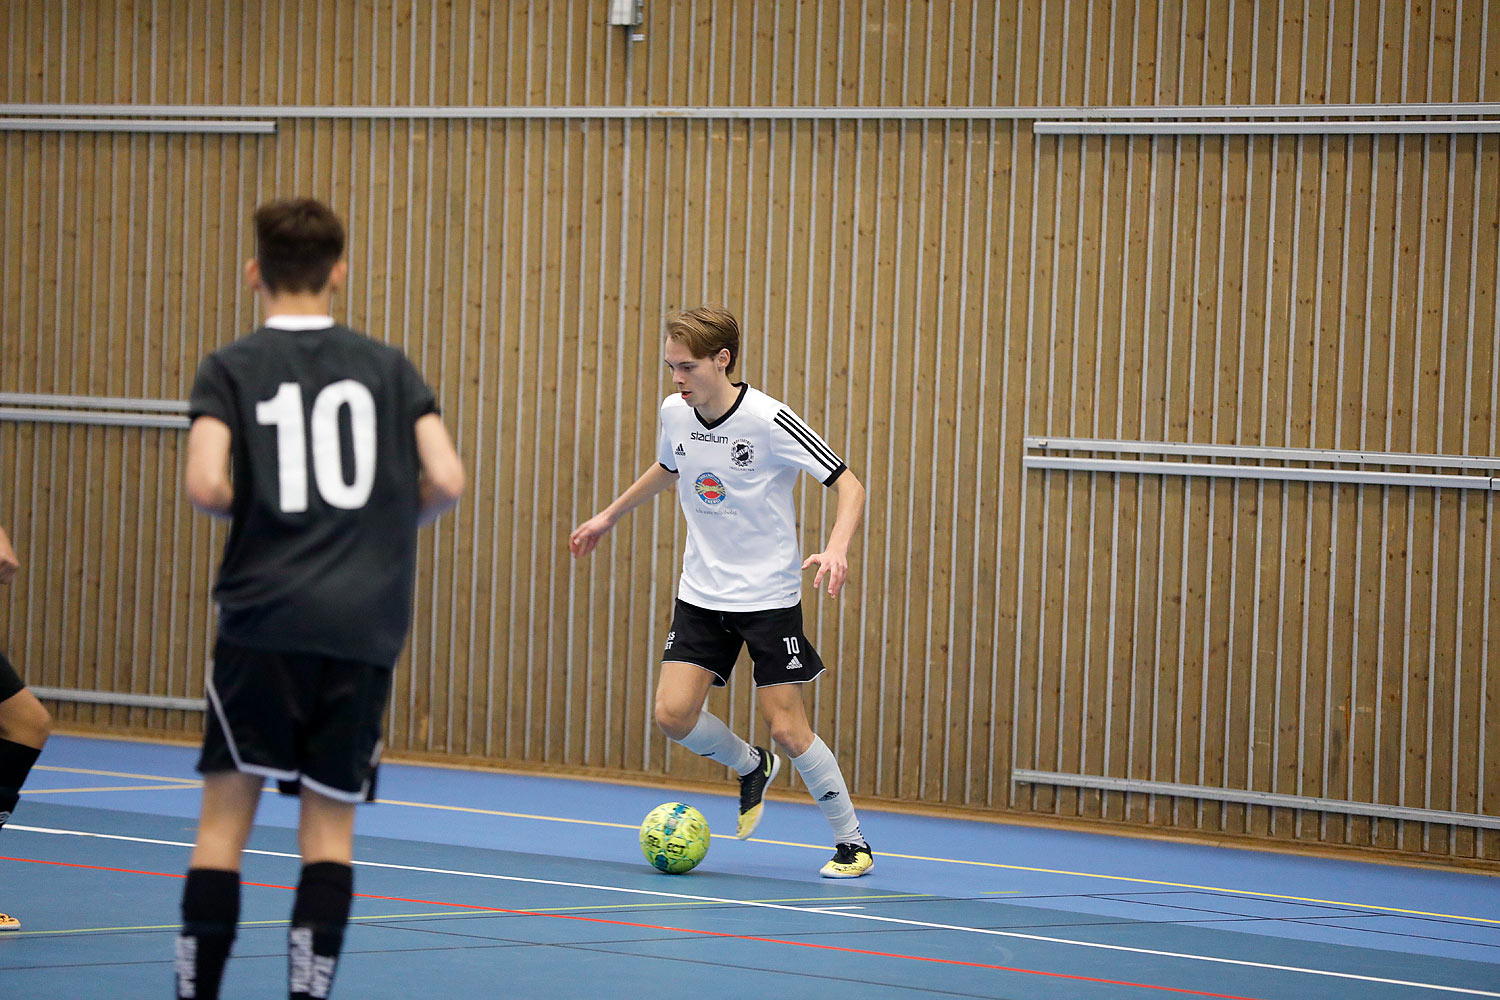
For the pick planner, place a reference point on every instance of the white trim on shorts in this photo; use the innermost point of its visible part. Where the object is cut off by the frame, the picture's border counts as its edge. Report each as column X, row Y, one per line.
column 327, row 791
column 337, row 794
column 234, row 751
column 778, row 684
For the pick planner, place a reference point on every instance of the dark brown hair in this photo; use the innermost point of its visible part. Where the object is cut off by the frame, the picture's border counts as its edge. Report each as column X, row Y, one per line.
column 705, row 331
column 297, row 242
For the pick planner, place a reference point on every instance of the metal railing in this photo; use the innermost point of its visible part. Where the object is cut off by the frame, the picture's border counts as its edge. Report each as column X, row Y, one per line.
column 1298, row 473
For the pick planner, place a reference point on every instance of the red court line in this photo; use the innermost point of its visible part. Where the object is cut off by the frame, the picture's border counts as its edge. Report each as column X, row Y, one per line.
column 687, row 930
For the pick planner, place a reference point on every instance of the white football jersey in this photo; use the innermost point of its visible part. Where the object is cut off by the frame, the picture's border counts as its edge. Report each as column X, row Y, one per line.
column 735, row 479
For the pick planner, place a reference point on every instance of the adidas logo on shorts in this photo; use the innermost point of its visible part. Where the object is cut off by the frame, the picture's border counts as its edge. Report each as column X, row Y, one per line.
column 794, row 664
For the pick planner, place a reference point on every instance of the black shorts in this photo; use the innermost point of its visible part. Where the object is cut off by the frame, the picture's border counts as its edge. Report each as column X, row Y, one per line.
column 296, row 717
column 712, row 640
column 10, row 681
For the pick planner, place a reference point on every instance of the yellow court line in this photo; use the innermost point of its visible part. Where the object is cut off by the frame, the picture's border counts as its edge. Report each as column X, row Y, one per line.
column 111, row 774
column 992, row 864
column 1189, row 885
column 113, row 788
column 514, row 815
column 957, row 861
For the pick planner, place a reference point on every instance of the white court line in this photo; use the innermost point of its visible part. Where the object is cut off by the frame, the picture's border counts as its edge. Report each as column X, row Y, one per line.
column 829, row 911
column 1248, row 893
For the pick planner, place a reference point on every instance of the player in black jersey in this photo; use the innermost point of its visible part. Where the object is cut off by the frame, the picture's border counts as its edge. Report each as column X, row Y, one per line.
column 24, row 723
column 326, row 451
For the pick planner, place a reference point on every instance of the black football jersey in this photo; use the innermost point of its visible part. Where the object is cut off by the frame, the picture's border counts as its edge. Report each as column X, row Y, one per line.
column 321, row 552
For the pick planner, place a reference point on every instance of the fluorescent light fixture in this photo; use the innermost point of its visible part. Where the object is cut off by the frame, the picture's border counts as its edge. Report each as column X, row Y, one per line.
column 626, row 13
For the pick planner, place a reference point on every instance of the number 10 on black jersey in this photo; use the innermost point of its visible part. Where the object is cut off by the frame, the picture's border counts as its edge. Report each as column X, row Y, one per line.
column 284, row 412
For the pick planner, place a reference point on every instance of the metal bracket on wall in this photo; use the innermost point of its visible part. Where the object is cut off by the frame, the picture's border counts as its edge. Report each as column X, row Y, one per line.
column 48, row 408
column 1299, row 473
column 121, row 698
column 137, row 125
column 1025, row 776
column 1034, row 113
column 1483, row 126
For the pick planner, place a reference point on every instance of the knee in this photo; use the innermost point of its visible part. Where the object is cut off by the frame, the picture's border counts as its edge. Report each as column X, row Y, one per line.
column 792, row 735
column 675, row 720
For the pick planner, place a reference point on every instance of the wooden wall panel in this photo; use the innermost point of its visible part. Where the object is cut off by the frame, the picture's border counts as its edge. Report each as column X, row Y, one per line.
column 926, row 292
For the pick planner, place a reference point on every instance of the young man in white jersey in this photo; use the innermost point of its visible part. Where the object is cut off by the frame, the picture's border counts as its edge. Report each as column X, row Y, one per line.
column 735, row 454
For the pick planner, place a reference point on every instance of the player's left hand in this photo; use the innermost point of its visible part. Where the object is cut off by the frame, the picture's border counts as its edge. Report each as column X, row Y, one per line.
column 9, row 561
column 835, row 565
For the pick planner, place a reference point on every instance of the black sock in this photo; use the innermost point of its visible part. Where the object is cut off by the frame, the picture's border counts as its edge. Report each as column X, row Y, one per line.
column 15, row 763
column 210, row 911
column 8, row 799
column 319, row 916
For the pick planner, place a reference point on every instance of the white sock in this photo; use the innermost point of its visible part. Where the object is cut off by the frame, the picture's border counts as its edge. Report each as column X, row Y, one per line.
column 712, row 739
column 825, row 783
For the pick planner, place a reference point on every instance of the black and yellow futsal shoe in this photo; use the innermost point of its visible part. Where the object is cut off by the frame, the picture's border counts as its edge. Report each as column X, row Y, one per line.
column 753, row 789
column 849, row 861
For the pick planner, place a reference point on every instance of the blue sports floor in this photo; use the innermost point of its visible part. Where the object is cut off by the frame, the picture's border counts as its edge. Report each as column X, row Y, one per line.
column 475, row 884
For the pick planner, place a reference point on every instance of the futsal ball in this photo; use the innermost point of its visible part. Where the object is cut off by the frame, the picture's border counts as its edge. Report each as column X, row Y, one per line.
column 674, row 837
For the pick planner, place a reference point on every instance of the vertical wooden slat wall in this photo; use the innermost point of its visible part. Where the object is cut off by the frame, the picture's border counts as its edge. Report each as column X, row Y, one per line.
column 926, row 292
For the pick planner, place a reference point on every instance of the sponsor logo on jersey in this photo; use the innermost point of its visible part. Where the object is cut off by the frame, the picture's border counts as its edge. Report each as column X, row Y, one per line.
column 710, row 438
column 680, row 451
column 742, row 453
column 710, row 489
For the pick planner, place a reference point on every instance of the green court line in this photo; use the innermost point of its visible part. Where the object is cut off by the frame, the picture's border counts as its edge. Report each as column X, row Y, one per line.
column 243, row 923
column 680, row 904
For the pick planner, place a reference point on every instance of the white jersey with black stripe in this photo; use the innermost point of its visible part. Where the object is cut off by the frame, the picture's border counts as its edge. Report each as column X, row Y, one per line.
column 735, row 480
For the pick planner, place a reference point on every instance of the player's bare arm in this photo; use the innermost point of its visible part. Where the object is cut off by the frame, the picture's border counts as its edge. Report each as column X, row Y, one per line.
column 9, row 561
column 833, row 561
column 442, row 481
column 206, row 480
column 651, row 482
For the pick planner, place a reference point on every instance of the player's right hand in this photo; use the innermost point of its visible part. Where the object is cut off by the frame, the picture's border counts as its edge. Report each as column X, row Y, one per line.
column 584, row 537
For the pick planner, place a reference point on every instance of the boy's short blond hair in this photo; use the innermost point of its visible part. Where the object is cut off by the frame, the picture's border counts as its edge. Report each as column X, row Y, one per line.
column 705, row 331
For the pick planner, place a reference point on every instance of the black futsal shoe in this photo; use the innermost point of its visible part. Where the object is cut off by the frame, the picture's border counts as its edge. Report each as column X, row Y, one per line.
column 753, row 789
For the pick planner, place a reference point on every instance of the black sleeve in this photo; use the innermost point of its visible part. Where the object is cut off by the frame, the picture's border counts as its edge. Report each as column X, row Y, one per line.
column 421, row 400
column 213, row 395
